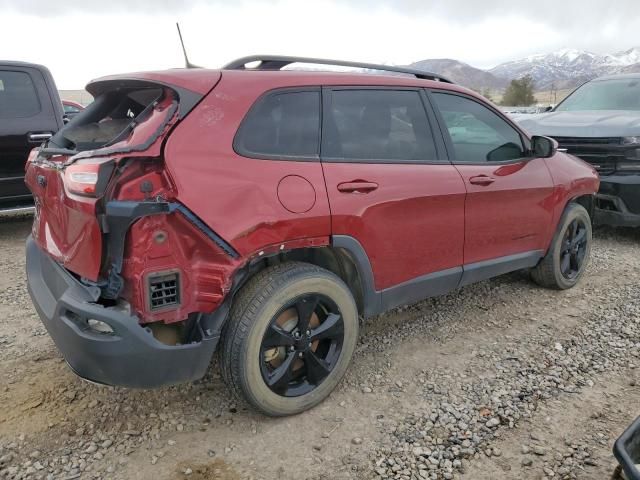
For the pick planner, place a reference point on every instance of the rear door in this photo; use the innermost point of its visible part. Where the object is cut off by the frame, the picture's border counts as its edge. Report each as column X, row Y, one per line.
column 27, row 118
column 389, row 186
column 509, row 204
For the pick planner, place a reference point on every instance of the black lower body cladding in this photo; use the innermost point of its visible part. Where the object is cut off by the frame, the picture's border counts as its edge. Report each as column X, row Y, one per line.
column 618, row 201
column 128, row 356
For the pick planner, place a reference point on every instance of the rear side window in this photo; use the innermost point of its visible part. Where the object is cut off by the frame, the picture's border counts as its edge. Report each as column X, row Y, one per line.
column 18, row 95
column 283, row 124
column 377, row 125
column 477, row 133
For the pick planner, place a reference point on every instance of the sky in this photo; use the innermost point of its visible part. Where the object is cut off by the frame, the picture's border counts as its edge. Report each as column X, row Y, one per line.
column 85, row 39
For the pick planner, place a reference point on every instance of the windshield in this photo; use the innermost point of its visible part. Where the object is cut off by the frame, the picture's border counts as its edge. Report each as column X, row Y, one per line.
column 614, row 94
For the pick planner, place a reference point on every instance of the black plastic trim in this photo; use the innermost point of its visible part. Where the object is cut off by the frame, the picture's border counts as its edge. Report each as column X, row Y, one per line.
column 371, row 298
column 425, row 286
column 217, row 239
column 623, row 453
column 476, row 272
column 429, row 285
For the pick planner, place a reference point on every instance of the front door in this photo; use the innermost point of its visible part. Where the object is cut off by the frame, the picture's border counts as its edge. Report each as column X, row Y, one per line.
column 509, row 205
column 390, row 188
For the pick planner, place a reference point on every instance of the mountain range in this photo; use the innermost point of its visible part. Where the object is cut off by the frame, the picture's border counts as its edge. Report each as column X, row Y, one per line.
column 562, row 69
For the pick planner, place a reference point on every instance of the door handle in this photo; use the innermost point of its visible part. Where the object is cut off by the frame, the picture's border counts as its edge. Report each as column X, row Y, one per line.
column 40, row 137
column 357, row 186
column 483, row 180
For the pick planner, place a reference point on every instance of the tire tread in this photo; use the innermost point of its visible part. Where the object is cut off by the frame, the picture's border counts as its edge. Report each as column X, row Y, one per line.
column 242, row 316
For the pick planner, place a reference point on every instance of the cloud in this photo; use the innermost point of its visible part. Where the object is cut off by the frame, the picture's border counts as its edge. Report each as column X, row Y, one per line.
column 49, row 8
column 568, row 14
column 108, row 36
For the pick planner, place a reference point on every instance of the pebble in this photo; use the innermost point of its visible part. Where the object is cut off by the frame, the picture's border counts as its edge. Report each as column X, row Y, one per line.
column 539, row 450
column 456, row 415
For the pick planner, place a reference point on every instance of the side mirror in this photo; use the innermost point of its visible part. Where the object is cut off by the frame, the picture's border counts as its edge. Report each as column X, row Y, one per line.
column 543, row 147
column 549, row 108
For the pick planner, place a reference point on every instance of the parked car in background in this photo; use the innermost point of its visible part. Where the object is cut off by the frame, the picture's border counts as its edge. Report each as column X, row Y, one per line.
column 260, row 212
column 600, row 123
column 71, row 109
column 30, row 113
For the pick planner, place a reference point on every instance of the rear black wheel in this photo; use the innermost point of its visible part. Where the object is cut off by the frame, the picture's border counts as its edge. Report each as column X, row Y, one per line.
column 289, row 339
column 302, row 345
column 569, row 253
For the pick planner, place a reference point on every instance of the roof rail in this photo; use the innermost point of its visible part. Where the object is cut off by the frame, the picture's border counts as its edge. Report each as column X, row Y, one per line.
column 277, row 62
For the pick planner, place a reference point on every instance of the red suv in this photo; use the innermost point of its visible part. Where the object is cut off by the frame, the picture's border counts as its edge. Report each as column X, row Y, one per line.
column 260, row 211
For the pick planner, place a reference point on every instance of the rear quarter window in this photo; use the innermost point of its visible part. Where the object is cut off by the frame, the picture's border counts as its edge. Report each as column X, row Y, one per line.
column 281, row 125
column 18, row 95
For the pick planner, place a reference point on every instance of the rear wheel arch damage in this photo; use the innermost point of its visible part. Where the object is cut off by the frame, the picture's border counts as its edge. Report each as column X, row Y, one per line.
column 336, row 260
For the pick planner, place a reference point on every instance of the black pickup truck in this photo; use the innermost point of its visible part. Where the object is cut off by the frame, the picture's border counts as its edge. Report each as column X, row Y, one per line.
column 600, row 123
column 30, row 113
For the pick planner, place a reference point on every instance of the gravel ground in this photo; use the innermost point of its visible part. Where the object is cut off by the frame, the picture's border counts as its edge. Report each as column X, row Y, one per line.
column 498, row 380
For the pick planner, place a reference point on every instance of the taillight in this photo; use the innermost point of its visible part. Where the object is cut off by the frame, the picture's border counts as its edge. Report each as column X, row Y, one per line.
column 88, row 177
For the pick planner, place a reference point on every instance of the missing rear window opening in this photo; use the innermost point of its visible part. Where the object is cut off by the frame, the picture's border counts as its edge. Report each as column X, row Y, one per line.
column 109, row 119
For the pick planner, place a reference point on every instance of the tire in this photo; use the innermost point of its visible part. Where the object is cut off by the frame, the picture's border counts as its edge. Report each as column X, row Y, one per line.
column 552, row 270
column 271, row 309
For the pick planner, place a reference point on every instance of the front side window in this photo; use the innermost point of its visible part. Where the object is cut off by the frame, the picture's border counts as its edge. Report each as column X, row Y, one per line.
column 377, row 125
column 18, row 95
column 477, row 133
column 284, row 124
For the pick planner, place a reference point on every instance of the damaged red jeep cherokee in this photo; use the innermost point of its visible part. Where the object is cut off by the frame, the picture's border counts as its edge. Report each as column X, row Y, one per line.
column 259, row 212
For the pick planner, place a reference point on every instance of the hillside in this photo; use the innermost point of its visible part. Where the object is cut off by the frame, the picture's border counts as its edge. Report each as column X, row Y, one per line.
column 560, row 70
column 462, row 73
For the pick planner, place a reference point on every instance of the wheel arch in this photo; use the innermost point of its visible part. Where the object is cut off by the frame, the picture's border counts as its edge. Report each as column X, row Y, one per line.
column 345, row 257
column 588, row 201
column 584, row 200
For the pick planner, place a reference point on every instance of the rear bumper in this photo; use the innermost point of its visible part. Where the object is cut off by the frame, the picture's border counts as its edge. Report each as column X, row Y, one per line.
column 618, row 201
column 130, row 356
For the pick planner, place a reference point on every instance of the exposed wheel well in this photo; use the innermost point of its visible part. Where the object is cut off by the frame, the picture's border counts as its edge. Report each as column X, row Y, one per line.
column 588, row 202
column 336, row 260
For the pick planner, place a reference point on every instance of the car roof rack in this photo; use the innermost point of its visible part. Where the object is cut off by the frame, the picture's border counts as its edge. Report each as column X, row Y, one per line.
column 278, row 62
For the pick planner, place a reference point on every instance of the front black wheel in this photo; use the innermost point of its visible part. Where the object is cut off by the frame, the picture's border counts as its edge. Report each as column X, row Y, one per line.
column 290, row 336
column 569, row 253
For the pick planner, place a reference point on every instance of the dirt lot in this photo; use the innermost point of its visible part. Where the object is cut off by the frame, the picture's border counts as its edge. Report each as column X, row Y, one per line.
column 499, row 380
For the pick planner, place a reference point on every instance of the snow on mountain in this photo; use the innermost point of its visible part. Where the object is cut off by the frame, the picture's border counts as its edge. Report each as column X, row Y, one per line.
column 624, row 59
column 567, row 68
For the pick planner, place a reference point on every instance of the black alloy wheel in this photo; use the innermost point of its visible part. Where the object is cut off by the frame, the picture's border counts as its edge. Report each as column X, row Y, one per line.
column 574, row 249
column 301, row 345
